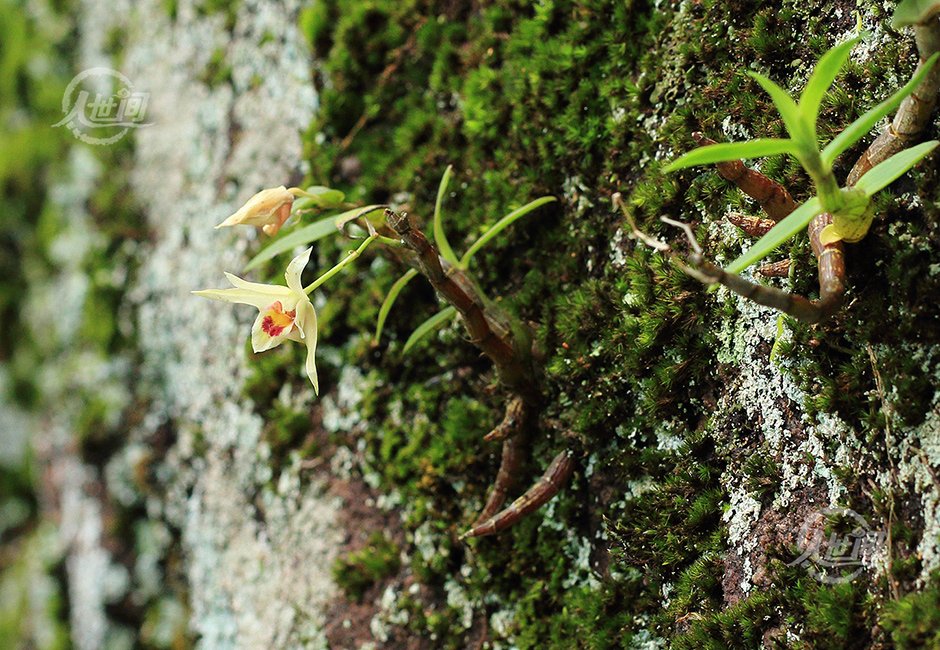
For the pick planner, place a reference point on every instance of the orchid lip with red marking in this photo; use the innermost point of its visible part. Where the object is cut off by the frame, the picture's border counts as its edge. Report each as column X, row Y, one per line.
column 274, row 324
column 276, row 320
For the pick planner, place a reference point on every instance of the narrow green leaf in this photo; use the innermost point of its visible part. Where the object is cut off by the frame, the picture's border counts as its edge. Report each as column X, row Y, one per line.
column 885, row 173
column 345, row 218
column 300, row 237
column 860, row 127
column 800, row 131
column 428, row 326
column 912, row 12
column 439, row 237
column 821, row 80
column 390, row 300
column 787, row 228
column 501, row 225
column 725, row 151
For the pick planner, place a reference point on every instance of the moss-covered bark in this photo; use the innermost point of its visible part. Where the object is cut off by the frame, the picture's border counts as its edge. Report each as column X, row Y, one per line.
column 708, row 430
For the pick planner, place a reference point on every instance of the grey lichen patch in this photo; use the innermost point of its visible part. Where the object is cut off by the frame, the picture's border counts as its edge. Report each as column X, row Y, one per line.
column 918, row 459
column 341, row 412
column 741, row 517
column 258, row 541
column 71, row 378
column 260, row 583
column 777, row 420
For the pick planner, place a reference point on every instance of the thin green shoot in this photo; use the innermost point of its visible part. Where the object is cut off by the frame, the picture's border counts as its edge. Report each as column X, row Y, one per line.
column 822, row 78
column 792, row 224
column 440, row 238
column 501, row 225
column 725, row 151
column 861, row 127
column 343, row 263
column 800, row 130
column 885, row 173
column 433, row 323
column 390, row 300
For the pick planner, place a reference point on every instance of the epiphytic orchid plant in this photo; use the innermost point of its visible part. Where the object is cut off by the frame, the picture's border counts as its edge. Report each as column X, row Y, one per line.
column 849, row 206
column 286, row 313
column 835, row 214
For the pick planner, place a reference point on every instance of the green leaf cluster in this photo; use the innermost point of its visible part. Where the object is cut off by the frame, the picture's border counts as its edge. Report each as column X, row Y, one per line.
column 443, row 316
column 847, row 205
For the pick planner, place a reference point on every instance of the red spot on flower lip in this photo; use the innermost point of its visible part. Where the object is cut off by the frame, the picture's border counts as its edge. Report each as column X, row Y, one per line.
column 277, row 320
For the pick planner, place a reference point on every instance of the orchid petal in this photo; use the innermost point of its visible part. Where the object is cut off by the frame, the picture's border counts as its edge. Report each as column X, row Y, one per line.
column 267, row 207
column 294, row 271
column 306, row 320
column 246, row 297
column 257, row 287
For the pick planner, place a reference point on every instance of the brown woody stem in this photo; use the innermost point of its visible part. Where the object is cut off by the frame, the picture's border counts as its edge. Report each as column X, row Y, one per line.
column 554, row 478
column 773, row 197
column 508, row 346
column 915, row 111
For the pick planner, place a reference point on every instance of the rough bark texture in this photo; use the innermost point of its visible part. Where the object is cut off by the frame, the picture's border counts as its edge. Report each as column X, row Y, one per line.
column 163, row 487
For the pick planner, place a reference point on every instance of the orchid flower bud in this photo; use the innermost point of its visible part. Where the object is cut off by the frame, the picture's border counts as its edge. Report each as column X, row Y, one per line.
column 268, row 209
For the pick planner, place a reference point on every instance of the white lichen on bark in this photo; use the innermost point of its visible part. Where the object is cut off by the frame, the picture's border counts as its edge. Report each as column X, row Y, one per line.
column 257, row 547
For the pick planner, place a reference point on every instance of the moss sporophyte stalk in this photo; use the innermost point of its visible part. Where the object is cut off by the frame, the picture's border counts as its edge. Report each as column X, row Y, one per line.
column 835, row 214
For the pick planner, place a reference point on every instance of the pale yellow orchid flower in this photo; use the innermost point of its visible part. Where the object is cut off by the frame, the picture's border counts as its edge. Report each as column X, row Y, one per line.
column 268, row 209
column 284, row 312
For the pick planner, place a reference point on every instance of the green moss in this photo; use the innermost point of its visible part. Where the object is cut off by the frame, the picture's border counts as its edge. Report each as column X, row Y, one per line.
column 269, row 371
column 529, row 100
column 737, row 627
column 171, row 7
column 287, row 429
column 914, row 620
column 763, row 475
column 589, row 618
column 815, row 615
column 356, row 572
column 32, row 599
